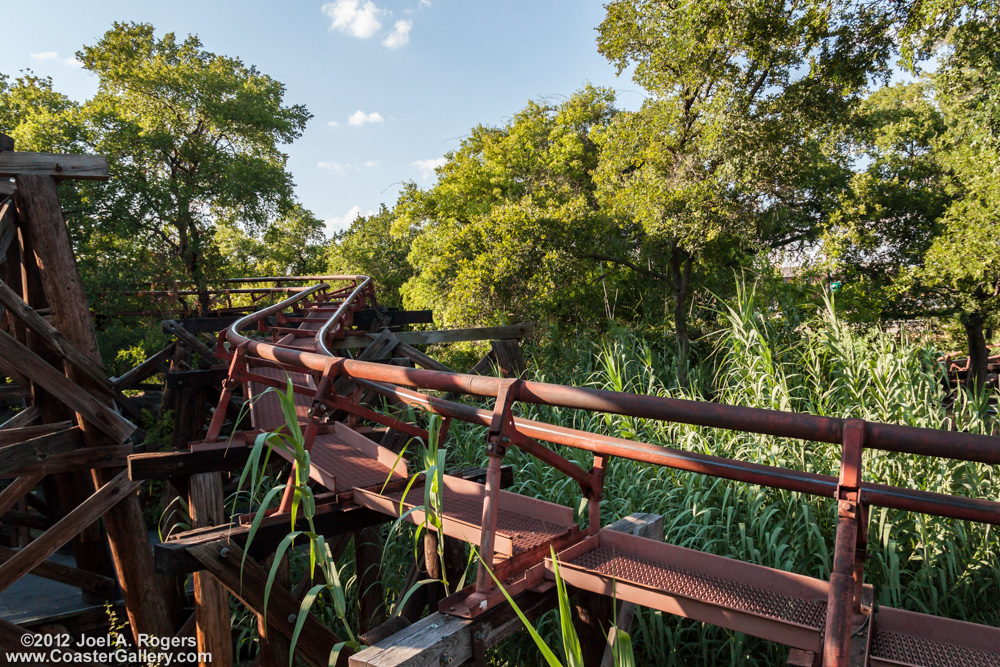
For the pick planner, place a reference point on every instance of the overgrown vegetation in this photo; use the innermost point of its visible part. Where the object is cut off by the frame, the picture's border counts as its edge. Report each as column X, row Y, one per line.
column 785, row 352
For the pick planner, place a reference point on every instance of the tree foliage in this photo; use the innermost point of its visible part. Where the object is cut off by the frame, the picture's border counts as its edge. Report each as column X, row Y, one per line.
column 193, row 139
column 370, row 248
column 505, row 233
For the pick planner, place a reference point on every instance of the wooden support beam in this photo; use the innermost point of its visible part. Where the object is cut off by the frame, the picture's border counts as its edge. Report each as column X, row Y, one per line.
column 35, row 451
column 274, row 646
column 82, row 579
column 41, row 218
column 162, row 465
column 65, row 529
column 246, row 580
column 52, row 337
column 23, row 418
column 56, row 165
column 189, row 339
column 17, row 490
column 173, row 557
column 6, row 142
column 82, row 459
column 24, row 361
column 11, row 436
column 211, row 602
column 523, row 330
column 368, row 567
column 145, row 369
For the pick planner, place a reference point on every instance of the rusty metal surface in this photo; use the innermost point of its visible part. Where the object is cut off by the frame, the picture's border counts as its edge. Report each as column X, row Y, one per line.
column 890, row 648
column 772, row 604
column 265, row 407
column 352, row 468
column 714, row 590
column 524, row 532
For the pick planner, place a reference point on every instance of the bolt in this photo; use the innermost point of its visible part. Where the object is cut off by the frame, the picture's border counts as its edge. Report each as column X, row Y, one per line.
column 845, row 505
column 291, row 618
column 445, row 659
column 224, row 552
column 480, row 636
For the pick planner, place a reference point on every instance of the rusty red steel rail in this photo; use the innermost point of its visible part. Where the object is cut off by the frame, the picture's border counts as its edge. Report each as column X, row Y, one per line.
column 852, row 493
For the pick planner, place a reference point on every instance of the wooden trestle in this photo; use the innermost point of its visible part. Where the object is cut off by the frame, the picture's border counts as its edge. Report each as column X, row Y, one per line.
column 361, row 482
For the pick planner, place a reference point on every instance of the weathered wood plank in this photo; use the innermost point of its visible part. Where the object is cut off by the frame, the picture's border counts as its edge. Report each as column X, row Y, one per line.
column 34, row 451
column 65, row 529
column 24, row 361
column 81, row 167
column 41, row 219
column 78, row 460
column 54, row 338
column 6, row 142
column 211, row 602
column 189, row 339
column 17, row 490
column 11, row 436
column 224, row 562
column 523, row 330
column 161, row 465
column 65, row 574
column 21, row 419
column 143, row 370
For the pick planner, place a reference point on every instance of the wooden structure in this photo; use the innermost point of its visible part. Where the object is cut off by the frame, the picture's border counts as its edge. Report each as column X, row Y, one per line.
column 353, row 366
column 69, row 442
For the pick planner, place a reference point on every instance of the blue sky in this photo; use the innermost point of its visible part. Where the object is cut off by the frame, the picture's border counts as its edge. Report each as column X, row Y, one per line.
column 392, row 84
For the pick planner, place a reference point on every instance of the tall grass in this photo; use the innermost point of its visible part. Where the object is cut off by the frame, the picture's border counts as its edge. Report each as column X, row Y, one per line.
column 803, row 359
column 787, row 357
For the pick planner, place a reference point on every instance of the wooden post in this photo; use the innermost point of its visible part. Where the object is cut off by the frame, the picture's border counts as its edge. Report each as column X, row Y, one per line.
column 89, row 549
column 41, row 216
column 211, row 601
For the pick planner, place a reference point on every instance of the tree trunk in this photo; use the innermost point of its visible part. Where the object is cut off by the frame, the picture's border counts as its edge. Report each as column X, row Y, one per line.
column 978, row 353
column 680, row 276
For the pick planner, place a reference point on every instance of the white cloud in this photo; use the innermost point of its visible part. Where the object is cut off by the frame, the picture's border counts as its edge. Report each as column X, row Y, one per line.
column 425, row 3
column 399, row 36
column 359, row 117
column 373, row 163
column 333, row 123
column 427, row 167
column 339, row 223
column 73, row 62
column 354, row 17
column 45, row 55
column 334, row 167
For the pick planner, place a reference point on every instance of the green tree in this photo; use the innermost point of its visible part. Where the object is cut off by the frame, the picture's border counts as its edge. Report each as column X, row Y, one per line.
column 506, row 232
column 37, row 117
column 292, row 244
column 918, row 234
column 734, row 154
column 369, row 247
column 193, row 139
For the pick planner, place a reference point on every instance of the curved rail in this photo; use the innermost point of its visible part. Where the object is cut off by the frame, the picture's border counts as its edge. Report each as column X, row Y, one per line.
column 887, row 437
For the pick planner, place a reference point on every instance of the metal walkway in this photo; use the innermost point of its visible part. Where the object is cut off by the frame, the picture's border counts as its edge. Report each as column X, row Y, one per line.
column 514, row 533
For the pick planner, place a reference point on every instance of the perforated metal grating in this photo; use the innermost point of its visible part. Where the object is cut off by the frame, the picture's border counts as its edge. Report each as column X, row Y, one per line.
column 351, row 468
column 525, row 532
column 910, row 650
column 713, row 590
column 265, row 412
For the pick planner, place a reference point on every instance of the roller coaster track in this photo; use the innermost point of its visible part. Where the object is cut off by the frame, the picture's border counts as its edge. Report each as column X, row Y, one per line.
column 832, row 621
